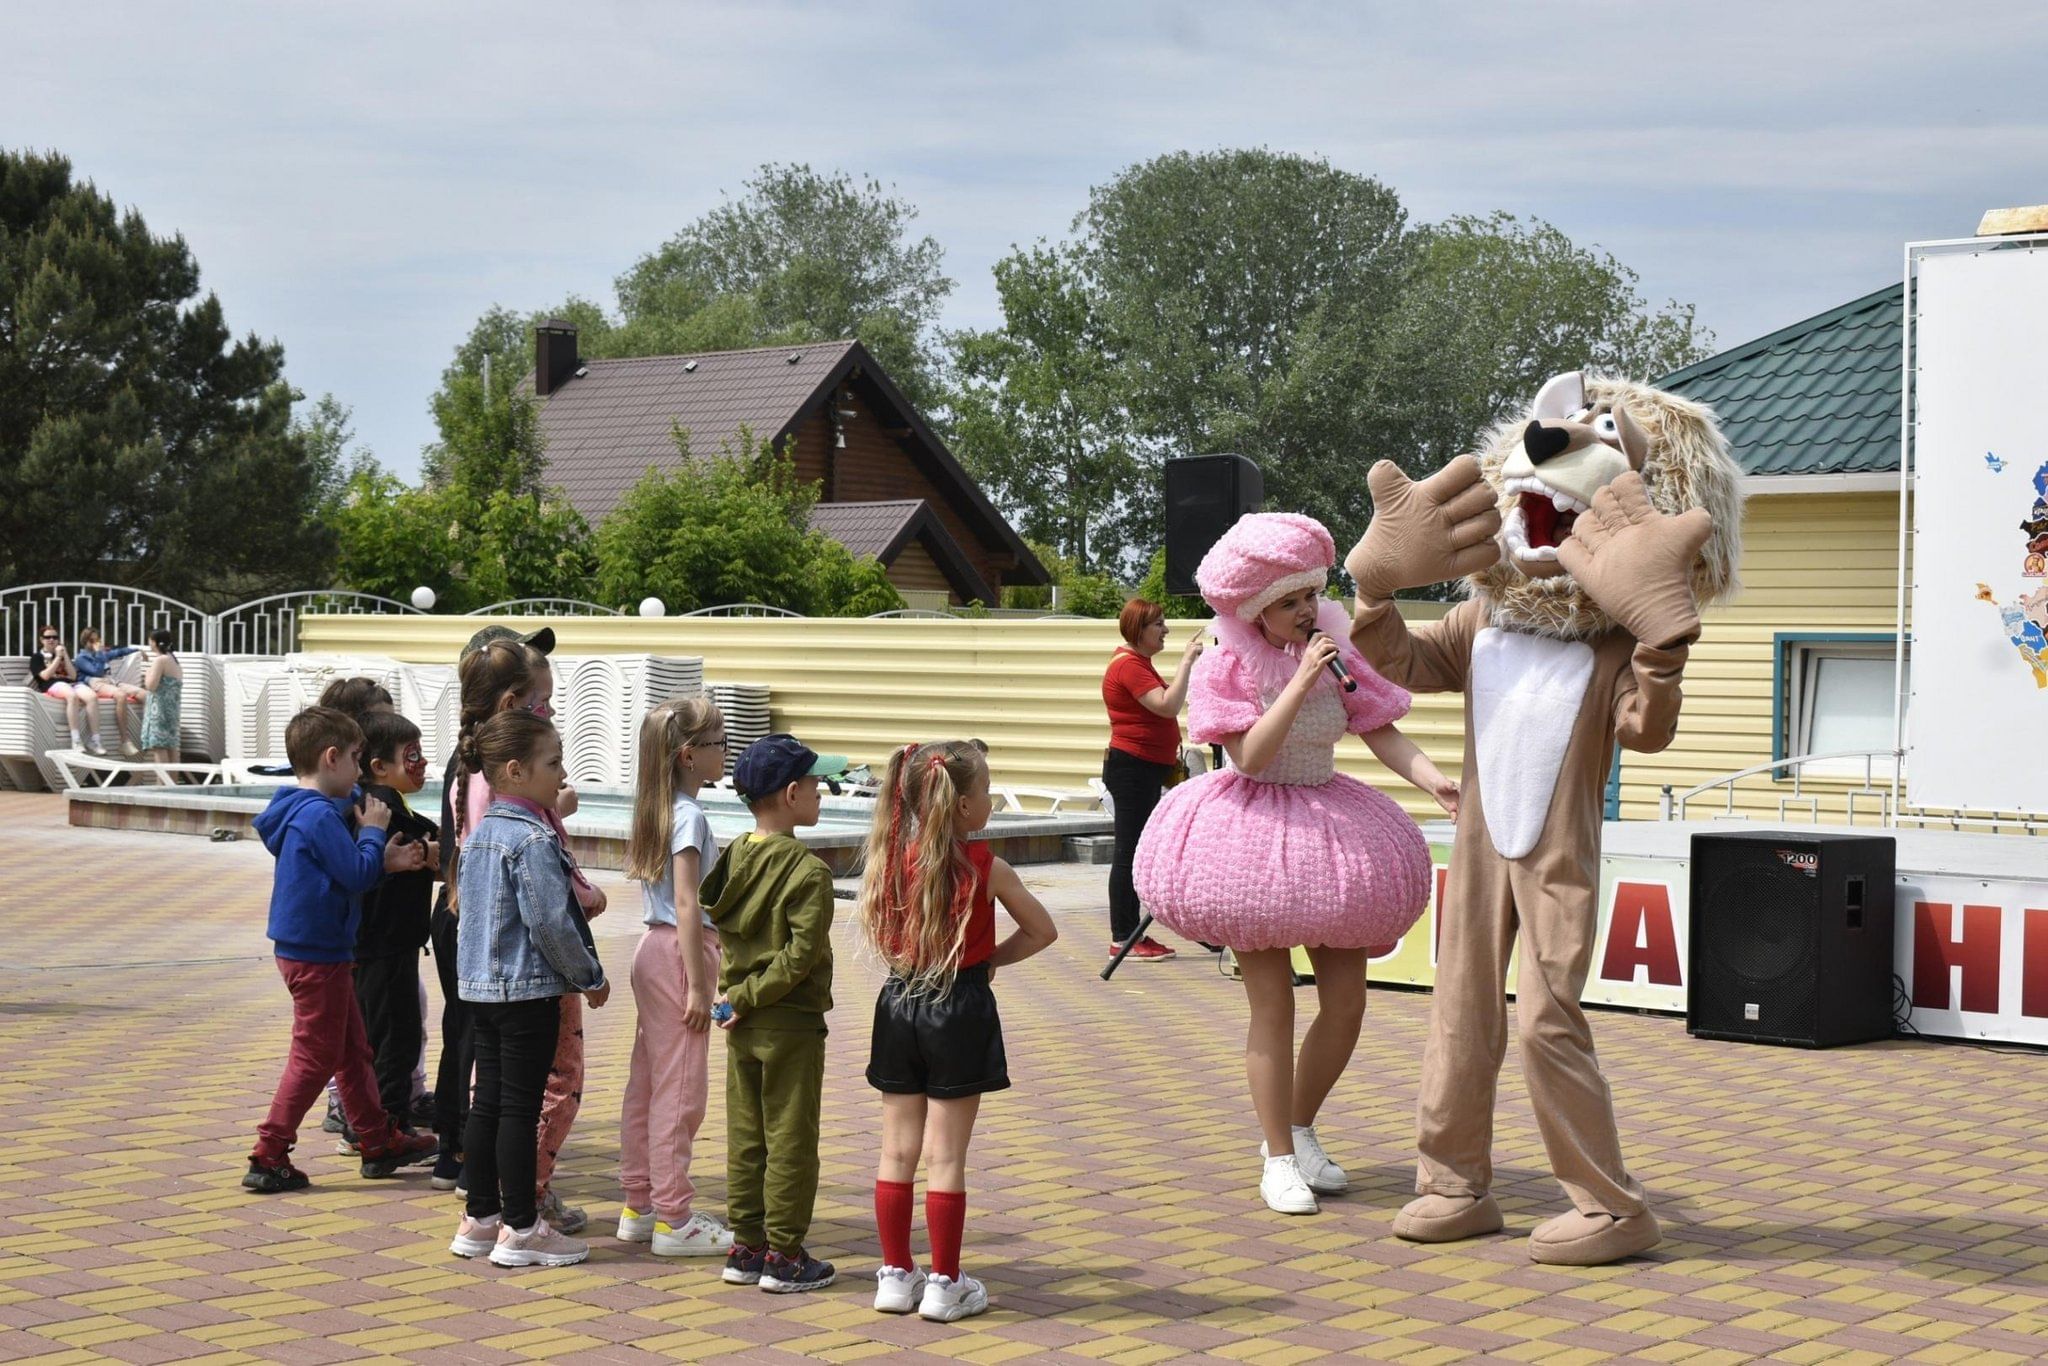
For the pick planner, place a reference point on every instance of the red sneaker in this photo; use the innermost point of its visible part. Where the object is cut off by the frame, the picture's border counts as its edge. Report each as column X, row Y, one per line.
column 1149, row 950
column 401, row 1149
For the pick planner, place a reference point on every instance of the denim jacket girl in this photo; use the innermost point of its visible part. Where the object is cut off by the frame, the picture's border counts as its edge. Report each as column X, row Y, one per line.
column 521, row 935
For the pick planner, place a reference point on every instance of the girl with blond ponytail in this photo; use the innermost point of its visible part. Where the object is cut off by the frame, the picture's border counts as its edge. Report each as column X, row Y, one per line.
column 675, row 974
column 927, row 905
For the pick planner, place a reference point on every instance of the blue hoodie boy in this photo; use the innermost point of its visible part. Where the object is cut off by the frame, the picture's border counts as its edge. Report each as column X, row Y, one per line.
column 316, row 901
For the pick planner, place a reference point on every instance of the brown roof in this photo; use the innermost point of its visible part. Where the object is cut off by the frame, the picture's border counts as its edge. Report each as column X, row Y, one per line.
column 877, row 529
column 607, row 425
column 882, row 529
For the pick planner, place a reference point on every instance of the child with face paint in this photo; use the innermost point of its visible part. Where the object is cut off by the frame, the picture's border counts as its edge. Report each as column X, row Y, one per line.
column 395, row 912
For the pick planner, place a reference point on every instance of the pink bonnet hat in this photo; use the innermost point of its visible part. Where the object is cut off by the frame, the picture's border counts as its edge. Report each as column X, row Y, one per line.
column 1262, row 559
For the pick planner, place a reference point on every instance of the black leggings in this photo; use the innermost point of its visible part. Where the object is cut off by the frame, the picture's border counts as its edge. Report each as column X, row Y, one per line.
column 1134, row 787
column 451, row 1075
column 515, row 1044
column 388, row 990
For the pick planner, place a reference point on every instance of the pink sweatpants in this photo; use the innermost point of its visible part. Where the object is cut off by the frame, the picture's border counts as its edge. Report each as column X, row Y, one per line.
column 669, row 1078
column 564, row 1096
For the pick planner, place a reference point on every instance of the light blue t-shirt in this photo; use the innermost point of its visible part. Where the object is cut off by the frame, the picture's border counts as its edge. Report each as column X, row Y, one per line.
column 690, row 830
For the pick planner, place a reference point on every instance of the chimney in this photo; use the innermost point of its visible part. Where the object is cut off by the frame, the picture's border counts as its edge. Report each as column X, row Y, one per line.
column 554, row 355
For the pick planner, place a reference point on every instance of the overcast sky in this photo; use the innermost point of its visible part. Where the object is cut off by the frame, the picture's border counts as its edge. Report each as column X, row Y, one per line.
column 360, row 181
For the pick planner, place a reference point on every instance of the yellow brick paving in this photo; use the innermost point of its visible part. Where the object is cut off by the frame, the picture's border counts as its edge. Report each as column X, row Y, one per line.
column 1860, row 1205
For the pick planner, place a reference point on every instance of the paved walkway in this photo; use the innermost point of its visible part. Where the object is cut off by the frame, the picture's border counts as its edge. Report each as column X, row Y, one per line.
column 1856, row 1205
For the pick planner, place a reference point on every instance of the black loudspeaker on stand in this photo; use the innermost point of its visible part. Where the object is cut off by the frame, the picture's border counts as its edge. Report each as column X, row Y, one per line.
column 1791, row 938
column 1205, row 495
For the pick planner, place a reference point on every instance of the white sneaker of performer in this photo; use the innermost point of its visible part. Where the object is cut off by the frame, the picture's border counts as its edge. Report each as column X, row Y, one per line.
column 1324, row 1177
column 1284, row 1190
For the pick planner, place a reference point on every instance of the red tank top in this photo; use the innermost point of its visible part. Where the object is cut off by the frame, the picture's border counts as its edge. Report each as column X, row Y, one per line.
column 981, row 910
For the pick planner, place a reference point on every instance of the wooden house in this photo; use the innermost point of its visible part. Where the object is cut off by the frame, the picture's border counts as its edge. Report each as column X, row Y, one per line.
column 888, row 486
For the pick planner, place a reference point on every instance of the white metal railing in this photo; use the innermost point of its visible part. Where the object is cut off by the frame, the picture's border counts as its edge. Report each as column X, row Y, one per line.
column 1873, row 797
column 121, row 615
column 742, row 609
column 545, row 607
column 270, row 626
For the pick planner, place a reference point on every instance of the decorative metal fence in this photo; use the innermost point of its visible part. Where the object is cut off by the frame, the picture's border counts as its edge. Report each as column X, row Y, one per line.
column 126, row 616
column 122, row 616
column 742, row 609
column 546, row 607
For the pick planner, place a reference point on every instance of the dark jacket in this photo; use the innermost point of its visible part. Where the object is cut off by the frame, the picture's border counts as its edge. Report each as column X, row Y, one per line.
column 771, row 900
column 323, row 869
column 395, row 911
column 41, row 675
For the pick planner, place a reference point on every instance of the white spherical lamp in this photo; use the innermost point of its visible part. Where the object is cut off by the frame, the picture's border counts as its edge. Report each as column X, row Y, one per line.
column 652, row 607
column 423, row 598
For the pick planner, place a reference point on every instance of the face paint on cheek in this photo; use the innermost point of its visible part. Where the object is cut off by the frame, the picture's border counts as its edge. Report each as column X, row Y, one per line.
column 541, row 709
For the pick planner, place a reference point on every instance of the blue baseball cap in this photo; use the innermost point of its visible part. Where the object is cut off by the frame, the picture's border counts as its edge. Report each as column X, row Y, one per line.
column 773, row 762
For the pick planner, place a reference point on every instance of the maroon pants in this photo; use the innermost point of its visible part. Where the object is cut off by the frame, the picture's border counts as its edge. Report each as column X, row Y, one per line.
column 328, row 1040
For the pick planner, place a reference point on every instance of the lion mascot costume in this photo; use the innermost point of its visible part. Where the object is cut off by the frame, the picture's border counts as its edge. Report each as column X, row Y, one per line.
column 1588, row 534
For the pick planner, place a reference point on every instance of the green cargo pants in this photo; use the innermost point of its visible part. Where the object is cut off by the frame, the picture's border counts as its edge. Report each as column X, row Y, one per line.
column 774, row 1085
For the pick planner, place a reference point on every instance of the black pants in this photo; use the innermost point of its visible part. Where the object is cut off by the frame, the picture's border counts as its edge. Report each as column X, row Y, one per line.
column 451, row 1076
column 388, row 990
column 515, row 1043
column 1134, row 787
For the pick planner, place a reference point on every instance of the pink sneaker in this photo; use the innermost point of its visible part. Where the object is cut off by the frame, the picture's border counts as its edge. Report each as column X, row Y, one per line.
column 476, row 1237
column 538, row 1246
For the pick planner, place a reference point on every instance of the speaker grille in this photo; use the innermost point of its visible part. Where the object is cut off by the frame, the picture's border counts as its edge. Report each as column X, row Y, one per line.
column 1758, row 927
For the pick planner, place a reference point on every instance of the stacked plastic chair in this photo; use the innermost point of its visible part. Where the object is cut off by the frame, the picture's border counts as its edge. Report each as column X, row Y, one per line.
column 599, row 700
column 430, row 695
column 745, row 706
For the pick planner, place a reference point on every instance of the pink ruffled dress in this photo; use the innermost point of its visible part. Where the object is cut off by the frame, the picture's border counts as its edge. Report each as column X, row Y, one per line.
column 1299, row 854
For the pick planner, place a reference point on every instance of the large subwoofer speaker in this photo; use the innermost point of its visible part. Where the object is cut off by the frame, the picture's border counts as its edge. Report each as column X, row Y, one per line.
column 1791, row 938
column 1205, row 495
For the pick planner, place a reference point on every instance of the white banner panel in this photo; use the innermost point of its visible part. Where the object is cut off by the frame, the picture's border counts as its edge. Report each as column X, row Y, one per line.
column 1978, row 715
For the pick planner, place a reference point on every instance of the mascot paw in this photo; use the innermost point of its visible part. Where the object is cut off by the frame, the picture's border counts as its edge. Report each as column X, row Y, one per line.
column 1447, row 1218
column 1579, row 1239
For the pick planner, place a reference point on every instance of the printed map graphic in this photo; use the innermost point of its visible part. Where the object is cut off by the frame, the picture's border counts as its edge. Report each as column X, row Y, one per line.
column 2026, row 621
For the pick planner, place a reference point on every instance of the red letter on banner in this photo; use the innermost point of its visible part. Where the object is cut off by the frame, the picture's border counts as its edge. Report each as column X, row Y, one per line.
column 2034, row 966
column 1935, row 952
column 1641, row 910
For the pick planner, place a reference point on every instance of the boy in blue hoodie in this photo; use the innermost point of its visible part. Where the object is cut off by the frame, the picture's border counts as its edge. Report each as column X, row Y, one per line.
column 323, row 869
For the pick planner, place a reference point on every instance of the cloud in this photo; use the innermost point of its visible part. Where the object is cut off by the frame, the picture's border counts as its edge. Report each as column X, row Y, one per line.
column 361, row 181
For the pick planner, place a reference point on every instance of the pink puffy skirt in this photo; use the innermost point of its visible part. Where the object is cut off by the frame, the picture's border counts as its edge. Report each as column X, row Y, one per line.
column 1232, row 860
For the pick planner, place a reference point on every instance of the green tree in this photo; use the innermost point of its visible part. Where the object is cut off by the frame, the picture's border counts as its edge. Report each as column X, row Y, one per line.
column 1283, row 308
column 1152, row 588
column 1073, row 590
column 1038, row 415
column 800, row 256
column 483, row 527
column 734, row 528
column 1493, row 307
column 139, row 441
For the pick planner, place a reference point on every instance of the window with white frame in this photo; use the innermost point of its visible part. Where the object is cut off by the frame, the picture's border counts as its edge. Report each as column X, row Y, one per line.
column 1840, row 695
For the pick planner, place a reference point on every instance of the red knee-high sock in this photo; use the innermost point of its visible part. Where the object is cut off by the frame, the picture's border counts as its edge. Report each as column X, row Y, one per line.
column 892, row 1218
column 945, row 1216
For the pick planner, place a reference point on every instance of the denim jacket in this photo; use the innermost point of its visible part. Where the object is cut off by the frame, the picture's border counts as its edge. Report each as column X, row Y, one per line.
column 517, row 938
column 91, row 664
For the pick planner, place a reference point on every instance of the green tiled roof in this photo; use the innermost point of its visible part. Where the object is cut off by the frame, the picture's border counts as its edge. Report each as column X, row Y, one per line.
column 1818, row 397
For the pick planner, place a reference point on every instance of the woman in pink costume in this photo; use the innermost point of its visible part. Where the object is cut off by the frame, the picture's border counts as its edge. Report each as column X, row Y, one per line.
column 1281, row 849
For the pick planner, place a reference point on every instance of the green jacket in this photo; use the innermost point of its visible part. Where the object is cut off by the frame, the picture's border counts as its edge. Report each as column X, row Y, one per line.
column 771, row 900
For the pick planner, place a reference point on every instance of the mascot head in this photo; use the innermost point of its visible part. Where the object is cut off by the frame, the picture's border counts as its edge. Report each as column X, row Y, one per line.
column 1580, row 434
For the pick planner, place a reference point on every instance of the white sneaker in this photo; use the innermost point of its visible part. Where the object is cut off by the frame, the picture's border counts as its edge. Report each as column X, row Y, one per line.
column 898, row 1291
column 634, row 1227
column 946, row 1299
column 538, row 1246
column 476, row 1237
column 700, row 1236
column 1324, row 1177
column 96, row 747
column 1282, row 1187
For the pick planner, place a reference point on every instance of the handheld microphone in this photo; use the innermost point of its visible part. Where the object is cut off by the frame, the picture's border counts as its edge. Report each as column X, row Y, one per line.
column 1336, row 666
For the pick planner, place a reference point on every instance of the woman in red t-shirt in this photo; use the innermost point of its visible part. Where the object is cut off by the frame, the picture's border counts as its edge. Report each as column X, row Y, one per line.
column 1144, row 745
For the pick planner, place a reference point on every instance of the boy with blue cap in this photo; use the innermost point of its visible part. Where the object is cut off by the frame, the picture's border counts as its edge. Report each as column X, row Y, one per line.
column 771, row 900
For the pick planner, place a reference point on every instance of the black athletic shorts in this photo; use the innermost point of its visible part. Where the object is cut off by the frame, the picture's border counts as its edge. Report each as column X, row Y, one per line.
column 944, row 1048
